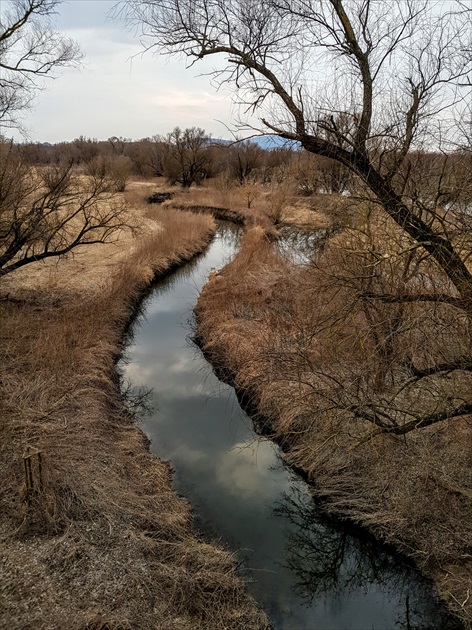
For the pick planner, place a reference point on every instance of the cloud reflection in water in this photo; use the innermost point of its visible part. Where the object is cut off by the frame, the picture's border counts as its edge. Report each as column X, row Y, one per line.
column 307, row 571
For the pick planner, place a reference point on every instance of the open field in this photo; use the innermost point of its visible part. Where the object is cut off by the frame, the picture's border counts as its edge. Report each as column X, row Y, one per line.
column 91, row 533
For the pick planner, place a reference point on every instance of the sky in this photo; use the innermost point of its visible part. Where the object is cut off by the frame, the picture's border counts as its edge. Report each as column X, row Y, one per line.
column 120, row 92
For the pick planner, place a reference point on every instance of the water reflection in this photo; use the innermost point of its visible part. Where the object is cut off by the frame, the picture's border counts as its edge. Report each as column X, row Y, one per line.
column 229, row 236
column 305, row 571
column 300, row 245
column 326, row 560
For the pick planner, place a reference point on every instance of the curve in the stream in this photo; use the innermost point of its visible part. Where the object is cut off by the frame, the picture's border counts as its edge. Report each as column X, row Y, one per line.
column 306, row 570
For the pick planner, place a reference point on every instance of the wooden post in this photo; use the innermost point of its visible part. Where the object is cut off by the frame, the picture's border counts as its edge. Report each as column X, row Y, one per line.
column 32, row 485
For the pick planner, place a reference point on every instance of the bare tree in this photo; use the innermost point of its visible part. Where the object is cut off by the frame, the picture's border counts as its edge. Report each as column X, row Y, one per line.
column 393, row 73
column 30, row 50
column 117, row 145
column 244, row 158
column 372, row 86
column 51, row 212
column 153, row 154
column 187, row 156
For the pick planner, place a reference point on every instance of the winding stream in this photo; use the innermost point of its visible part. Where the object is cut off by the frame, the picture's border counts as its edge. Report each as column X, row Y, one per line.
column 306, row 570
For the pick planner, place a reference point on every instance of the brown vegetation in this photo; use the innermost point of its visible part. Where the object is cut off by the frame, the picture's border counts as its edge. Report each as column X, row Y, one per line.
column 338, row 379
column 92, row 536
column 274, row 205
column 49, row 212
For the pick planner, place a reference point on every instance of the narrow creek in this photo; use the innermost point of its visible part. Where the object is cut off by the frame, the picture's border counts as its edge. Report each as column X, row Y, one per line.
column 306, row 570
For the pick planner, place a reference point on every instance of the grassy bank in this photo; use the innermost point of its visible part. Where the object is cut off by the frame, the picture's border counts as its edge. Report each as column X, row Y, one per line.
column 255, row 204
column 283, row 334
column 91, row 533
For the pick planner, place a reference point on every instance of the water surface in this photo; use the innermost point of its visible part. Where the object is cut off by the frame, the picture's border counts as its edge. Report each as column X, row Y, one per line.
column 306, row 570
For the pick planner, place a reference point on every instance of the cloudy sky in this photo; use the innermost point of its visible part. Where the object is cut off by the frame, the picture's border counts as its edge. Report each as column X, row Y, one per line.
column 118, row 91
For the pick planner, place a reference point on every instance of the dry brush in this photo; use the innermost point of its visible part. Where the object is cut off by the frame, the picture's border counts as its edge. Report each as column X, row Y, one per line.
column 92, row 535
column 343, row 382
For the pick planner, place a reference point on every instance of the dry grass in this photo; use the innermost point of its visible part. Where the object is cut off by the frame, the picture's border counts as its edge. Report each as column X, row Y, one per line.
column 256, row 320
column 268, row 205
column 91, row 533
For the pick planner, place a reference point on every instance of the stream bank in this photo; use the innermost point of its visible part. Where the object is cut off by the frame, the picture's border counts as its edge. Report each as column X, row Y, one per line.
column 305, row 569
column 102, row 540
column 240, row 325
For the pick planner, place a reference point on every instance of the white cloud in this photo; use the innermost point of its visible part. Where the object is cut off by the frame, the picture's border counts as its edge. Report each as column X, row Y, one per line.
column 189, row 455
column 119, row 91
column 137, row 374
column 247, row 469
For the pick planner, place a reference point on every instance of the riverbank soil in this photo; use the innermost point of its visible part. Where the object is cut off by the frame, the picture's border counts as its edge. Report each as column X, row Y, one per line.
column 313, row 360
column 91, row 533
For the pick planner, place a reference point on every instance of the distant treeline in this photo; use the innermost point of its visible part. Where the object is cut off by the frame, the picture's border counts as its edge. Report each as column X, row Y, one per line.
column 190, row 156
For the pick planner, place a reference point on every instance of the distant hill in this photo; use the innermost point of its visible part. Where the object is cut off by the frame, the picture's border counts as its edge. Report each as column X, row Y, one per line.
column 275, row 142
column 268, row 143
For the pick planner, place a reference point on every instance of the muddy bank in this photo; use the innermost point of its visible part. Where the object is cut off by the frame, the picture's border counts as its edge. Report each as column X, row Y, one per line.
column 247, row 327
column 97, row 538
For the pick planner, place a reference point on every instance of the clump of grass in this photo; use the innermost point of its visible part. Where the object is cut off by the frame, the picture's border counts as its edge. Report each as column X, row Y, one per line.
column 97, row 538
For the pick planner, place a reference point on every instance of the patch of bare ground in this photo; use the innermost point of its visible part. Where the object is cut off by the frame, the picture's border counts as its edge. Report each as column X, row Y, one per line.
column 294, row 341
column 91, row 534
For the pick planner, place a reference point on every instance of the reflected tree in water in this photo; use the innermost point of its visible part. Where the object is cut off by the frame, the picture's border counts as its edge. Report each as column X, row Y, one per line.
column 229, row 235
column 301, row 246
column 325, row 558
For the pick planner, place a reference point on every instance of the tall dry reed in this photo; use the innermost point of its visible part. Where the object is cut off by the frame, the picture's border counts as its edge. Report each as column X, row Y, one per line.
column 297, row 342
